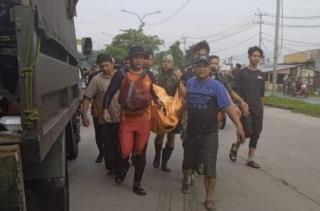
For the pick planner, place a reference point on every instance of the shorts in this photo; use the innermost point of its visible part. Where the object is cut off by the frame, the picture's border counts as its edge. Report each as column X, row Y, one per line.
column 201, row 149
column 252, row 126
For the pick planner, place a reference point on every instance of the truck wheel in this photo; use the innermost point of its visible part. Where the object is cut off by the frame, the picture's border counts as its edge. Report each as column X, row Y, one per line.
column 73, row 138
column 49, row 195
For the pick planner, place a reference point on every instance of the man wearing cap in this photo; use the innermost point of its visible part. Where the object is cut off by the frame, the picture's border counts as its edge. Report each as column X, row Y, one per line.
column 135, row 126
column 205, row 97
column 106, row 132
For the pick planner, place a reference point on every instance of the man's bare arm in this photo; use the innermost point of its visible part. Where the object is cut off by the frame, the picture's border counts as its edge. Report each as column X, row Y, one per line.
column 233, row 114
column 243, row 105
column 85, row 109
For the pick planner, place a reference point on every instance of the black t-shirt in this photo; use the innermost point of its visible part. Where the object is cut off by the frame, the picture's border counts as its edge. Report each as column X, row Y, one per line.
column 250, row 85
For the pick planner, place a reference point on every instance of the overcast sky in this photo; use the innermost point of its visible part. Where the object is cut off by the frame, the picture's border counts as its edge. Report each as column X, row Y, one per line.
column 201, row 18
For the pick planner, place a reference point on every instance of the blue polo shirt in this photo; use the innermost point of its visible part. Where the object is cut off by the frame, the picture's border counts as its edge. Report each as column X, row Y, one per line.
column 204, row 100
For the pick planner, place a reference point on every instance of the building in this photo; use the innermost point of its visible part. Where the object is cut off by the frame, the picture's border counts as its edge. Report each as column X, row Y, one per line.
column 304, row 65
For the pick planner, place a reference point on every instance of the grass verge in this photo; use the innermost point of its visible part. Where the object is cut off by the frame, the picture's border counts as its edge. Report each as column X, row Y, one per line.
column 296, row 106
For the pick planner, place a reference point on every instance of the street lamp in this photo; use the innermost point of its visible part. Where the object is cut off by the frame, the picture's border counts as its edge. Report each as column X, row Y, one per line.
column 142, row 24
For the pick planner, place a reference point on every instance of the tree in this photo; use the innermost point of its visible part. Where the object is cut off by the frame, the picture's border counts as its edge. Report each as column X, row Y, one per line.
column 122, row 42
column 116, row 51
column 177, row 54
column 158, row 58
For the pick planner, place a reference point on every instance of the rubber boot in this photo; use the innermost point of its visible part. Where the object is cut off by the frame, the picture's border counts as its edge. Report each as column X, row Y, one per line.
column 140, row 164
column 166, row 154
column 157, row 156
column 121, row 170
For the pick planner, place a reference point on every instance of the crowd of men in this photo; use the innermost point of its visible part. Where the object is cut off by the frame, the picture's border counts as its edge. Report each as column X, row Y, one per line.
column 121, row 97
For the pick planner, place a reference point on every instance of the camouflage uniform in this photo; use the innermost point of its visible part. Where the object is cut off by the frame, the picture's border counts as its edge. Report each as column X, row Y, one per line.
column 168, row 80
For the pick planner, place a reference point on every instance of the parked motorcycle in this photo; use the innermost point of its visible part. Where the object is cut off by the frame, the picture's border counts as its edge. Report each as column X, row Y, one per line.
column 302, row 92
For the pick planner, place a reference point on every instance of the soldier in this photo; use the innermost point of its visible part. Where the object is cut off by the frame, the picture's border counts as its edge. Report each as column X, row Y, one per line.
column 167, row 79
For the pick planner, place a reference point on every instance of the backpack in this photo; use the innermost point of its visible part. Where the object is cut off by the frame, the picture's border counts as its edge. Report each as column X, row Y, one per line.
column 134, row 96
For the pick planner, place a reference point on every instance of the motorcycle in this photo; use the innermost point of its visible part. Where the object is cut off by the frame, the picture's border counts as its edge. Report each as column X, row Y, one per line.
column 302, row 92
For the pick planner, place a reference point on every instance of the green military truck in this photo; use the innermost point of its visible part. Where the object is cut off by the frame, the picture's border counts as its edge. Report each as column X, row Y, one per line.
column 39, row 103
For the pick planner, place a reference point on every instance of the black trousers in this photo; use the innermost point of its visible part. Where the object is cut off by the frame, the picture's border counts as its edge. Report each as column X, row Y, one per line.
column 111, row 150
column 99, row 140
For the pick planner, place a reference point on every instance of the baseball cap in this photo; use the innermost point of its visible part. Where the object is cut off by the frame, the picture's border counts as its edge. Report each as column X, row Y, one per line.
column 202, row 59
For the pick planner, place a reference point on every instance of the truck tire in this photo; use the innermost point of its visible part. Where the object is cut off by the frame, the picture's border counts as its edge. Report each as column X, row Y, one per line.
column 73, row 138
column 49, row 195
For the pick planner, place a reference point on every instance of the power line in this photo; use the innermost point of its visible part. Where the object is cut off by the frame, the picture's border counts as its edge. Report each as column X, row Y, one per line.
column 231, row 34
column 295, row 17
column 295, row 41
column 285, row 47
column 172, row 15
column 240, row 24
column 292, row 25
column 265, row 47
column 235, row 33
column 234, row 46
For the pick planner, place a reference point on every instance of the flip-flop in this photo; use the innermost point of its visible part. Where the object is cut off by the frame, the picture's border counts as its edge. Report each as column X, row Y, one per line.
column 209, row 205
column 253, row 164
column 233, row 153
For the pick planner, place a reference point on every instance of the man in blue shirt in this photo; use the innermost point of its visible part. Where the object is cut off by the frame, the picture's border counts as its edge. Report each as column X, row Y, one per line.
column 205, row 97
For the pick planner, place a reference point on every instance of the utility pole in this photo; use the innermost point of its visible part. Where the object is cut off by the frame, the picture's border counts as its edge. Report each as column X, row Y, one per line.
column 260, row 30
column 276, row 49
column 260, row 22
column 184, row 41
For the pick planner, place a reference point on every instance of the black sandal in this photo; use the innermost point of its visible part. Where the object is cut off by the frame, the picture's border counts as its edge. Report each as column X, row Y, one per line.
column 233, row 153
column 253, row 164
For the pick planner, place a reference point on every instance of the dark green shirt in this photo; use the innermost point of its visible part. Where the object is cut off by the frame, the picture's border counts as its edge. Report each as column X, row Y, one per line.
column 168, row 80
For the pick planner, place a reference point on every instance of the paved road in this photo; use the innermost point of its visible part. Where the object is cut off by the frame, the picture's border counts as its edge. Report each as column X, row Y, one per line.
column 289, row 178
